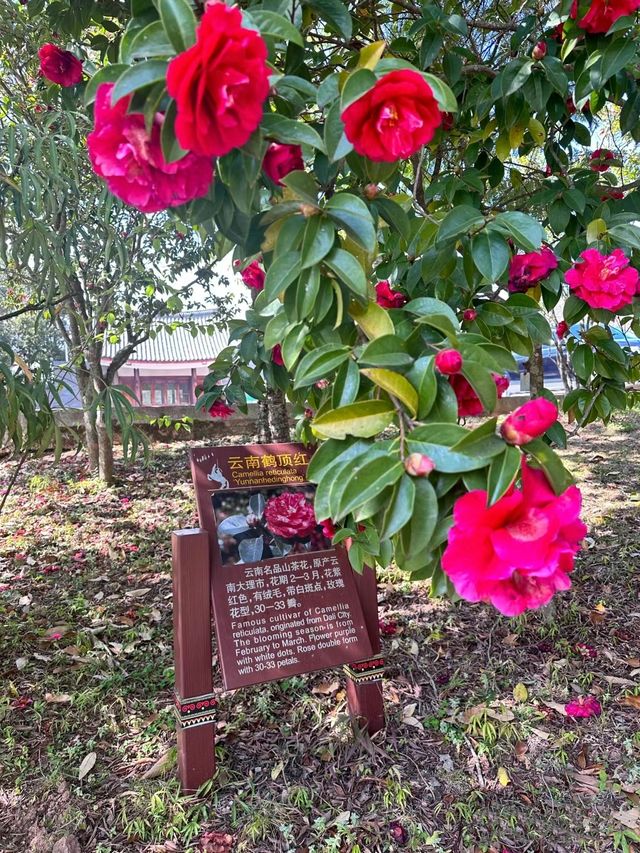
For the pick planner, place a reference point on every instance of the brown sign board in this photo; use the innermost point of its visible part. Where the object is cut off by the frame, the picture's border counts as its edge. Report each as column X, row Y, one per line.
column 285, row 600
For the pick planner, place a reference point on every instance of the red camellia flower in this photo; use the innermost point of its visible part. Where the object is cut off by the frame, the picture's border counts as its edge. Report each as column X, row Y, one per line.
column 253, row 276
column 131, row 160
column 388, row 298
column 583, row 706
column 328, row 528
column 602, row 14
column 220, row 84
column 610, row 194
column 387, row 628
column 561, row 329
column 276, row 355
column 60, row 66
column 603, row 281
column 469, row 315
column 448, row 362
column 517, row 553
column 289, row 515
column 395, row 118
column 599, row 160
column 526, row 271
column 529, row 421
column 539, row 51
column 279, row 160
column 468, row 401
column 220, row 410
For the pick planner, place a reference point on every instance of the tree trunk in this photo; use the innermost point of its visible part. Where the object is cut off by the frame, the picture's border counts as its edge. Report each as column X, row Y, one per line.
column 105, row 451
column 536, row 372
column 279, row 417
column 88, row 416
column 264, row 428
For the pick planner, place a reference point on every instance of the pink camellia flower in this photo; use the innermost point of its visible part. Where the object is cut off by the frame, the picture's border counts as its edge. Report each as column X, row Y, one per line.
column 219, row 84
column 517, row 553
column 281, row 159
column 529, row 421
column 388, row 298
column 394, row 119
column 55, row 636
column 22, row 703
column 468, row 401
column 50, row 570
column 526, row 271
column 469, row 315
column 602, row 14
column 583, row 706
column 448, row 362
column 322, row 384
column 419, row 464
column 328, row 528
column 253, row 276
column 220, row 410
column 600, row 159
column 132, row 163
column 289, row 515
column 539, row 51
column 603, row 281
column 561, row 329
column 276, row 355
column 60, row 66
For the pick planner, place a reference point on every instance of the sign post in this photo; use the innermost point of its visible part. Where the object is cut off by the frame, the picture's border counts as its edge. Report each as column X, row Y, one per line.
column 285, row 600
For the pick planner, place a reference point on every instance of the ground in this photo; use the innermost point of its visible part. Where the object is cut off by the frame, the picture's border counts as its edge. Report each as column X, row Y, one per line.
column 477, row 755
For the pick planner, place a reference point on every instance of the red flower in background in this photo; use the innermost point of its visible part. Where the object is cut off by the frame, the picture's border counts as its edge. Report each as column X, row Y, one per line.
column 468, row 401
column 561, row 329
column 469, row 315
column 603, row 281
column 60, row 66
column 328, row 528
column 276, row 355
column 132, row 163
column 289, row 515
column 388, row 298
column 518, row 552
column 281, row 159
column 583, row 706
column 220, row 410
column 602, row 14
column 220, row 84
column 610, row 194
column 526, row 271
column 253, row 276
column 529, row 421
column 395, row 118
column 599, row 160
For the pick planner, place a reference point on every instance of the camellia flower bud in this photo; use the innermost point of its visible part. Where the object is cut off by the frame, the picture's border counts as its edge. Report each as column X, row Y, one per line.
column 448, row 362
column 371, row 191
column 419, row 465
column 529, row 421
column 469, row 315
column 539, row 51
column 561, row 329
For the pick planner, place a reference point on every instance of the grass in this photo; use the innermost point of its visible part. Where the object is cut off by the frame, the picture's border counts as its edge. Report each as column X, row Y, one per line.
column 476, row 757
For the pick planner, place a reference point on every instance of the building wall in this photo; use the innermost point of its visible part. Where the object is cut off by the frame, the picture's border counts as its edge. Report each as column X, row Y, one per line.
column 158, row 384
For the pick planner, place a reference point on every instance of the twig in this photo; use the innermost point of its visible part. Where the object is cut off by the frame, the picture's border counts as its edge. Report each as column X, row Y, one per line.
column 13, row 479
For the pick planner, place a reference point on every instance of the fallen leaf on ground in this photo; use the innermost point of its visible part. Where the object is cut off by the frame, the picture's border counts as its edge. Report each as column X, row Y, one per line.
column 503, row 777
column 57, row 698
column 630, row 818
column 326, row 688
column 86, row 765
column 162, row 765
column 631, row 702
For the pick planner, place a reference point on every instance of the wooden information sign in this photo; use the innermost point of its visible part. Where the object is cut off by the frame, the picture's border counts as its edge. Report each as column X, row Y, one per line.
column 285, row 600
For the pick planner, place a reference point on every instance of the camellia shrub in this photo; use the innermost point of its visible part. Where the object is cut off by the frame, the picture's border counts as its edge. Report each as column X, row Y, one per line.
column 407, row 190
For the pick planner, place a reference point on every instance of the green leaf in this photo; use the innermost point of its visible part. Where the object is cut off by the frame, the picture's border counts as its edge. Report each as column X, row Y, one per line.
column 319, row 236
column 512, row 78
column 364, row 419
column 138, row 77
column 574, row 309
column 399, row 510
column 482, row 383
column 558, row 476
column 386, row 351
column 367, row 482
column 394, row 215
column 372, row 319
column 490, row 254
column 303, row 186
column 352, row 214
column 318, row 363
column 396, row 385
column 179, row 22
column 291, row 131
column 423, row 378
column 502, row 473
column 524, row 229
column 335, row 14
column 416, row 536
column 357, row 83
column 626, row 234
column 108, row 74
column 284, row 270
column 346, row 385
column 442, row 93
column 457, row 222
column 171, row 148
column 330, row 453
column 336, row 143
column 617, row 55
column 347, row 268
column 582, row 360
column 150, row 41
column 277, row 26
column 426, row 306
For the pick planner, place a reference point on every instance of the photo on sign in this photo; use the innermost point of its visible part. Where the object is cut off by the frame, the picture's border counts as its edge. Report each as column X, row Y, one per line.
column 261, row 524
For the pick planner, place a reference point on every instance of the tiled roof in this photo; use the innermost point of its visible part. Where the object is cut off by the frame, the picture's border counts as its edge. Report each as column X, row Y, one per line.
column 179, row 345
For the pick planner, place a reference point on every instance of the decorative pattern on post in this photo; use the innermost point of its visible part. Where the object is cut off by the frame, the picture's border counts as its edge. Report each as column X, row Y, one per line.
column 194, row 702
